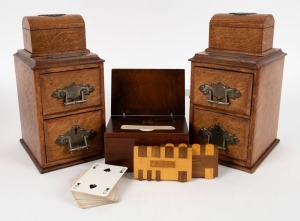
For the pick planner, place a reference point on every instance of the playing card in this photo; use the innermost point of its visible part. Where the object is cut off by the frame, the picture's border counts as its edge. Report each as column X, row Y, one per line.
column 83, row 196
column 87, row 204
column 84, row 200
column 112, row 196
column 99, row 180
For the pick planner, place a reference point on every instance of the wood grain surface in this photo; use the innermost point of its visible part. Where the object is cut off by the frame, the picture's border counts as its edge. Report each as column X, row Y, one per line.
column 30, row 109
column 44, row 35
column 242, row 82
column 54, row 81
column 257, row 130
column 204, row 118
column 60, row 126
column 32, row 81
column 252, row 33
column 267, row 94
column 240, row 53
column 147, row 92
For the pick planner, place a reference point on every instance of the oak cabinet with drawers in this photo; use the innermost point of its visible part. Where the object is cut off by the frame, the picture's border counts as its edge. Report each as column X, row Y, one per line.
column 235, row 95
column 61, row 93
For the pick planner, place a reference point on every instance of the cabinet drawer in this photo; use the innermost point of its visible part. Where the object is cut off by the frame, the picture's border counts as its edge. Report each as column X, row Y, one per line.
column 70, row 90
column 212, row 87
column 67, row 133
column 204, row 123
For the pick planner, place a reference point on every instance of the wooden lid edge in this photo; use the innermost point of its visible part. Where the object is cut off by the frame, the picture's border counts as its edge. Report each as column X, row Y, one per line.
column 44, row 22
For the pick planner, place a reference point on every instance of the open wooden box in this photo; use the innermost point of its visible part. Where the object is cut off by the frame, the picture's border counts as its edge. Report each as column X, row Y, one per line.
column 147, row 108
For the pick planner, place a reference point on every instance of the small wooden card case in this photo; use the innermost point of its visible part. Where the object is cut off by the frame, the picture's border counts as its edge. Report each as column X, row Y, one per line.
column 144, row 98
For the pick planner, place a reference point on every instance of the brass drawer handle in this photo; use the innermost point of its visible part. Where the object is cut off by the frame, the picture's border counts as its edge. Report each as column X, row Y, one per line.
column 220, row 92
column 76, row 138
column 218, row 136
column 73, row 94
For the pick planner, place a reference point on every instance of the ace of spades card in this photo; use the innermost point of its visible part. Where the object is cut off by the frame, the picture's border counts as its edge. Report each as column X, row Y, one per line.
column 97, row 186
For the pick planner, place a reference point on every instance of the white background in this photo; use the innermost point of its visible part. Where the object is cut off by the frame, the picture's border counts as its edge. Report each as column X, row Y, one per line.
column 151, row 34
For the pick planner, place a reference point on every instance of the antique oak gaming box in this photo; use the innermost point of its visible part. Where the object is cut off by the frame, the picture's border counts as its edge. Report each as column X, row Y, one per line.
column 236, row 88
column 147, row 108
column 60, row 91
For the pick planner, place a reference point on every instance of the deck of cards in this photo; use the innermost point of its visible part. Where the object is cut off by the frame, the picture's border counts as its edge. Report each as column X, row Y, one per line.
column 97, row 186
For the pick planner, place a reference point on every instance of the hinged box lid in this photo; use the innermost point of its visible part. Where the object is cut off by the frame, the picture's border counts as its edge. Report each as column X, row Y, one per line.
column 54, row 34
column 147, row 92
column 241, row 32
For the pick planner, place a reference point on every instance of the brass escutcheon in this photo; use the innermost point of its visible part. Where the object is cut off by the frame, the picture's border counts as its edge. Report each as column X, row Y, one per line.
column 76, row 138
column 218, row 136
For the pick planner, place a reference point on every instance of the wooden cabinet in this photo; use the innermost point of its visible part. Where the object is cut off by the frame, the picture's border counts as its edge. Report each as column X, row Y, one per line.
column 61, row 96
column 235, row 95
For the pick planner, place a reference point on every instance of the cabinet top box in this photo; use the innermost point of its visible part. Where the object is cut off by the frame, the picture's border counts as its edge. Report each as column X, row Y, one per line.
column 54, row 34
column 248, row 33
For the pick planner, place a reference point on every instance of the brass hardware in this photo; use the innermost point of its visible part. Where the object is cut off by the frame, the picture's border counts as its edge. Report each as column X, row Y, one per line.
column 218, row 136
column 220, row 92
column 73, row 92
column 76, row 138
column 52, row 15
column 242, row 13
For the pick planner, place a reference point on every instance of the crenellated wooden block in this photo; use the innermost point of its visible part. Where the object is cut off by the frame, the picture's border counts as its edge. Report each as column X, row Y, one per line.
column 167, row 162
column 205, row 161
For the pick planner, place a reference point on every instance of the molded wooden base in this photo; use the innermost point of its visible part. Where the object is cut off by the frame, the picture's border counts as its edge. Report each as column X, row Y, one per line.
column 258, row 162
column 56, row 167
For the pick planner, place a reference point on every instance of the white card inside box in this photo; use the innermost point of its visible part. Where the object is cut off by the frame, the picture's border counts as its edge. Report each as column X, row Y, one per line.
column 146, row 127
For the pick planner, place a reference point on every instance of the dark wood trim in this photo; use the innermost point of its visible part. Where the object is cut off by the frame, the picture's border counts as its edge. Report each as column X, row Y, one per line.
column 182, row 176
column 149, row 175
column 140, row 175
column 157, row 175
